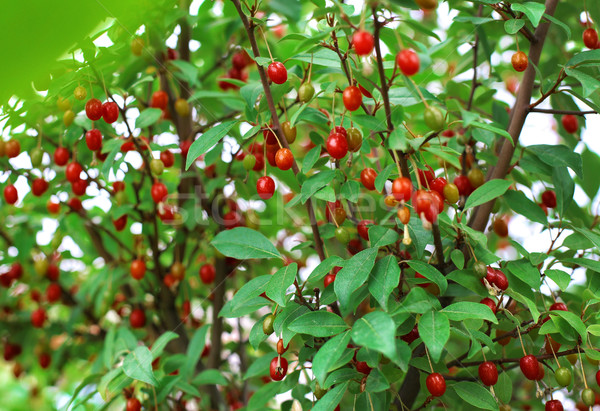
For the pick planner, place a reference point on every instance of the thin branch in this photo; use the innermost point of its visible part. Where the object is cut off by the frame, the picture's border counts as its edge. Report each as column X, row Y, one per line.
column 563, row 112
column 475, row 51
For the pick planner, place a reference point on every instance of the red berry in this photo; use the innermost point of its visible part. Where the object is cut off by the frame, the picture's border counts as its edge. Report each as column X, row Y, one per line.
column 133, row 404
column 438, row 201
column 53, row 272
column 352, row 98
column 426, row 205
column 61, row 156
column 500, row 227
column 559, row 307
column 75, row 204
column 52, row 207
column 53, row 293
column 554, row 405
column 137, row 318
column 329, row 278
column 184, row 146
column 363, row 228
column 39, row 187
column 159, row 192
column 402, row 189
column 598, row 377
column 426, row 176
column 362, row 367
column 365, row 92
column 408, row 61
column 160, row 99
column 284, row 158
column 207, row 273
column 277, row 72
column 44, row 360
column 436, row 384
column 549, row 198
column 277, row 373
column 73, row 171
column 488, row 373
column 529, row 366
column 519, row 61
column 138, row 269
column 500, row 280
column 590, row 38
column 412, row 335
column 363, row 42
column 93, row 139
column 463, row 184
column 367, row 177
column 79, row 187
column 38, row 317
column 570, row 123
column 110, row 112
column 10, row 194
column 120, row 222
column 490, row 303
column 438, row 185
column 118, row 186
column 93, row 109
column 168, row 158
column 12, row 148
column 339, row 129
column 337, row 146
column 265, row 187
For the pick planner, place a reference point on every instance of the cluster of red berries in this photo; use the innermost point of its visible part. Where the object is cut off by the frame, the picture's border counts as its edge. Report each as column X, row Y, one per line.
column 239, row 62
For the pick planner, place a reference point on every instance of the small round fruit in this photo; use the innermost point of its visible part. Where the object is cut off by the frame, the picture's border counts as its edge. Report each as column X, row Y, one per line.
column 570, row 123
column 45, row 359
column 160, row 99
column 53, row 207
column 427, row 4
column 476, row 177
column 328, row 279
column 168, row 158
column 182, row 107
column 137, row 318
column 554, row 405
column 500, row 280
column 137, row 46
column 519, row 61
column 563, row 376
column 306, row 92
column 436, row 384
column 159, row 192
column 284, row 159
column 549, row 198
column 157, row 166
column 488, row 373
column 39, row 187
column 363, row 42
column 12, row 148
column 277, row 72
column 337, row 146
column 588, row 397
column 352, row 98
column 178, row 270
column 480, row 269
column 362, row 367
column 404, row 215
column 138, row 269
column 342, row 235
column 500, row 228
column 367, row 177
column 249, row 161
column 590, row 38
column 408, row 61
column 451, row 193
column 490, row 303
column 61, row 156
column 110, row 112
column 354, row 139
column 63, row 104
column 38, row 318
column 10, row 194
column 207, row 273
column 289, row 132
column 559, row 307
column 133, row 404
column 68, row 118
column 402, row 189
column 93, row 109
column 463, row 184
column 529, row 366
column 268, row 324
column 36, row 155
column 434, row 118
column 93, row 139
column 363, row 228
column 438, row 184
column 80, row 93
column 276, row 371
column 265, row 187
column 281, row 349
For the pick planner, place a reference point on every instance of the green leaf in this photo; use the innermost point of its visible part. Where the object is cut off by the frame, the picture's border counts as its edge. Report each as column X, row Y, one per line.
column 138, row 365
column 243, row 243
column 493, row 129
column 161, row 342
column 194, row 350
column 429, row 272
column 564, row 188
column 381, row 236
column 328, row 354
column 280, row 281
column 210, row 377
column 331, row 399
column 476, row 394
column 558, row 155
column 350, row 191
column 325, row 267
column 384, row 279
column 434, row 329
column 260, row 366
column 487, row 192
column 590, row 56
column 504, row 388
column 376, row 331
column 383, row 176
column 559, row 24
column 458, row 258
column 418, row 301
column 263, row 395
column 520, row 204
column 315, row 183
column 207, row 140
column 466, row 310
column 561, row 278
column 513, row 26
column 319, row 324
column 574, row 321
column 589, row 83
column 310, row 159
column 533, row 11
column 148, row 117
column 526, row 272
column 285, row 318
column 353, row 275
column 247, row 299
